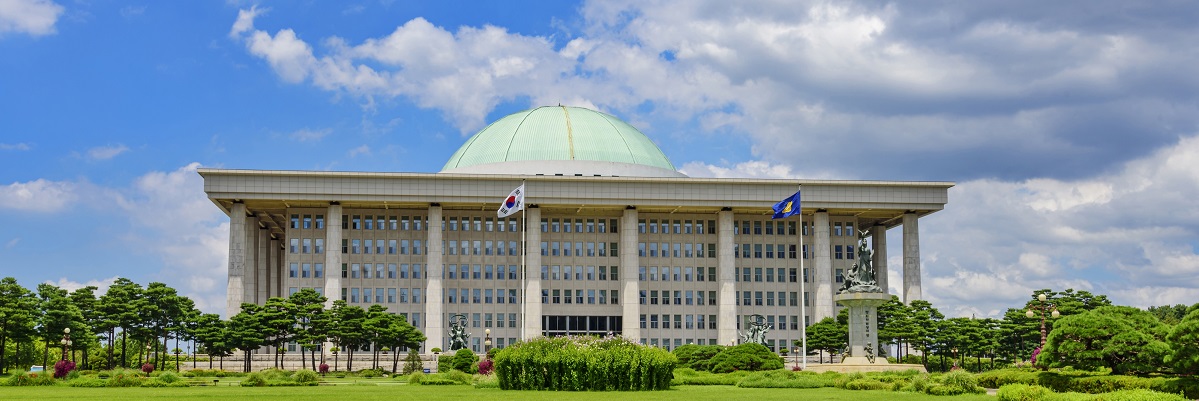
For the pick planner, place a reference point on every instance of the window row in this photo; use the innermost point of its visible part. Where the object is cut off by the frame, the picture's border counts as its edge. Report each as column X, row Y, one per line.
column 306, row 270
column 481, row 224
column 381, row 295
column 601, row 297
column 488, row 320
column 664, row 226
column 689, row 322
column 392, row 223
column 479, row 296
column 769, row 275
column 555, row 225
column 580, row 249
column 485, row 248
column 663, row 297
column 307, row 245
column 678, row 342
column 481, row 272
column 784, row 323
column 380, row 270
column 754, row 298
column 676, row 250
column 580, row 273
column 679, row 274
column 380, row 247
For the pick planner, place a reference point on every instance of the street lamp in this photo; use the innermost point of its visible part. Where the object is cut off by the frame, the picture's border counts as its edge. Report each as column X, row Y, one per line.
column 797, row 357
column 487, row 342
column 1043, row 307
column 66, row 342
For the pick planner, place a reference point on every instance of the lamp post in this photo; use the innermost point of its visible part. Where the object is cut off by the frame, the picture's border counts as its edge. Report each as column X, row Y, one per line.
column 1043, row 307
column 487, row 342
column 66, row 342
column 797, row 357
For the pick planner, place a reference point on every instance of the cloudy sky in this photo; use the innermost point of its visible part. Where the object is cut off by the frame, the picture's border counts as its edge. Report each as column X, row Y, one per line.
column 1071, row 128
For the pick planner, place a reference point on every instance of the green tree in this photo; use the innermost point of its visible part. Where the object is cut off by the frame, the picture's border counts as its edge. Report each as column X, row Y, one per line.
column 210, row 333
column 311, row 320
column 120, row 306
column 17, row 317
column 895, row 325
column 1122, row 338
column 925, row 320
column 400, row 335
column 278, row 322
column 346, row 329
column 57, row 314
column 1184, row 345
column 245, row 332
column 828, row 336
column 1168, row 314
column 85, row 299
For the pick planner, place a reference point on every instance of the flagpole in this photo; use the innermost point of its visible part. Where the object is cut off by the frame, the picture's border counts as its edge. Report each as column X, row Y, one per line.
column 524, row 290
column 803, row 309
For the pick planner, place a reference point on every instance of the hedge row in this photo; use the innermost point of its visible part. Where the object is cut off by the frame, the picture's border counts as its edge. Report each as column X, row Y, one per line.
column 584, row 364
column 1081, row 382
column 1032, row 392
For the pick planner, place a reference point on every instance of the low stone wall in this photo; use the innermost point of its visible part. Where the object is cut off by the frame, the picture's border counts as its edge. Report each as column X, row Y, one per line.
column 294, row 362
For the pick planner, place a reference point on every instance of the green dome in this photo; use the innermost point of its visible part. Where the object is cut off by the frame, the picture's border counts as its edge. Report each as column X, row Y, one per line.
column 560, row 140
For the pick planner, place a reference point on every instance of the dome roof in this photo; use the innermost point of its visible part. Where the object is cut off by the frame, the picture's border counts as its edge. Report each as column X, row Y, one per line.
column 564, row 140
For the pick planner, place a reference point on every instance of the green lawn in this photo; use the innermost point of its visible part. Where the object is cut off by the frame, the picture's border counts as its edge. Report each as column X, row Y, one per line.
column 451, row 393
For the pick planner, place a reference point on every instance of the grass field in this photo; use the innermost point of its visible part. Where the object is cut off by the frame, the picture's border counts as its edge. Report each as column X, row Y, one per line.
column 392, row 391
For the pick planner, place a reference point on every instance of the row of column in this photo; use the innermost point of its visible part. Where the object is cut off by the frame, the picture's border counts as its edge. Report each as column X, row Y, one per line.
column 256, row 260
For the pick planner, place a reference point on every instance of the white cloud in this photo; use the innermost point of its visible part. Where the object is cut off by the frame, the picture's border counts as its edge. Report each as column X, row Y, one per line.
column 132, row 11
column 12, row 243
column 38, row 195
column 245, row 20
column 310, row 135
column 34, row 17
column 106, row 152
column 173, row 218
column 361, row 150
column 70, row 285
column 15, row 146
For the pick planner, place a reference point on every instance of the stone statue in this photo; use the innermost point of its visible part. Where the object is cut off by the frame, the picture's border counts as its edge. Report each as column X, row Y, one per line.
column 458, row 334
column 861, row 277
column 756, row 333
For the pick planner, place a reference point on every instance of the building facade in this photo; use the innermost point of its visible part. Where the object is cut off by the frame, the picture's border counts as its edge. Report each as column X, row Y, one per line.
column 617, row 241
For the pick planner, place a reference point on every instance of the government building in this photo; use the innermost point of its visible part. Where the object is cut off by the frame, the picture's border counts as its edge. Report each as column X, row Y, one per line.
column 618, row 241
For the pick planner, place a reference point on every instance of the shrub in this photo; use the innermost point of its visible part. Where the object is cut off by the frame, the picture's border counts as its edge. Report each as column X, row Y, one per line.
column 413, row 363
column 416, row 377
column 584, row 363
column 445, row 362
column 489, row 381
column 458, row 376
column 31, row 379
column 85, row 381
column 168, row 377
column 1022, row 392
column 688, row 376
column 62, row 367
column 866, row 384
column 74, row 374
column 748, row 356
column 464, row 360
column 486, row 366
column 148, row 368
column 955, row 383
column 784, row 379
column 324, row 368
column 256, row 379
column 1001, row 377
column 698, row 357
column 125, row 378
column 305, row 376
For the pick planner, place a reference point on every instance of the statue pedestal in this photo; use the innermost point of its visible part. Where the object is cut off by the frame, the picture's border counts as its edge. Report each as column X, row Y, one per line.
column 863, row 336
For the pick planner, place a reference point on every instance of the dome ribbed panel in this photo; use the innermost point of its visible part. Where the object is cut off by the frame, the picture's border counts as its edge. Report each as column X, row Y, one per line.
column 597, row 139
column 543, row 134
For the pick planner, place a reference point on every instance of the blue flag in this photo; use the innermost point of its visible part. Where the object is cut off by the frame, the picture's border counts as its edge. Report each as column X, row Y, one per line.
column 787, row 207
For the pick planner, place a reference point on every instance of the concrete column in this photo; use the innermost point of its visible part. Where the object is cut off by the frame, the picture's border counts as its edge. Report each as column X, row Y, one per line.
column 531, row 321
column 878, row 239
column 235, row 292
column 274, row 274
column 822, row 299
column 911, row 258
column 434, row 322
column 263, row 266
column 250, row 276
column 332, row 256
column 630, row 298
column 726, row 315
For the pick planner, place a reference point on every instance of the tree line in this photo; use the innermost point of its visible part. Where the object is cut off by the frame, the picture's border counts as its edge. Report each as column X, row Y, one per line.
column 130, row 325
column 1090, row 332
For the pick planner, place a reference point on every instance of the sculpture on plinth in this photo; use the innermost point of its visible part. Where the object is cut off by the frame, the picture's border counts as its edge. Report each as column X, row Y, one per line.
column 458, row 334
column 861, row 276
column 756, row 333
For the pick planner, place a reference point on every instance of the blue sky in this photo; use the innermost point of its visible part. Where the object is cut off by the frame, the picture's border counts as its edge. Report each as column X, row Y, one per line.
column 1070, row 127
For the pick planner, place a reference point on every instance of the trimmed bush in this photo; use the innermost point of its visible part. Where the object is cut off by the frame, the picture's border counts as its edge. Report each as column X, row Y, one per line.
column 1002, row 377
column 125, row 378
column 487, row 381
column 464, row 360
column 305, row 376
column 785, row 379
column 698, row 357
column 31, row 379
column 692, row 377
column 86, row 381
column 748, row 356
column 1025, row 392
column 584, row 364
column 866, row 384
column 256, row 379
